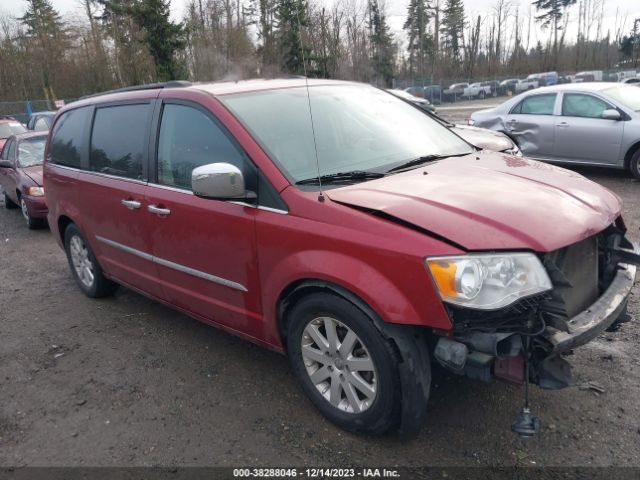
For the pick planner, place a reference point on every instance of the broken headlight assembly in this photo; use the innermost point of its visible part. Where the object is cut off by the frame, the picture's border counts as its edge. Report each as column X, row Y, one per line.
column 488, row 281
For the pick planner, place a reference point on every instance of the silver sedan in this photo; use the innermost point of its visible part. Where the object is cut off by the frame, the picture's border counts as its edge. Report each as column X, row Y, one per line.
column 586, row 123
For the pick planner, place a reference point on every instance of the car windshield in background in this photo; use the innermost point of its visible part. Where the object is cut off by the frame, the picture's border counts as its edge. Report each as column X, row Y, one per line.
column 31, row 151
column 356, row 128
column 8, row 129
column 628, row 96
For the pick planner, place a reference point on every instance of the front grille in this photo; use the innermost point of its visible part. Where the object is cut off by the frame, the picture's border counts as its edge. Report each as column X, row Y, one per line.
column 574, row 273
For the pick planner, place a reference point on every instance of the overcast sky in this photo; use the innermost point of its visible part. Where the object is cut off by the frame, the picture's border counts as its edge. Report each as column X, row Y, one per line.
column 396, row 11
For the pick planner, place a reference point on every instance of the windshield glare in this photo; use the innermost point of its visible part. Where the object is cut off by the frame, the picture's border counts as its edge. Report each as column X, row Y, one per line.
column 8, row 129
column 627, row 95
column 356, row 128
column 31, row 151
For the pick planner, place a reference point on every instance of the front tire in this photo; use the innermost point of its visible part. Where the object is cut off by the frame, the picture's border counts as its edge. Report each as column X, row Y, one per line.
column 346, row 367
column 634, row 165
column 32, row 223
column 84, row 267
column 482, row 95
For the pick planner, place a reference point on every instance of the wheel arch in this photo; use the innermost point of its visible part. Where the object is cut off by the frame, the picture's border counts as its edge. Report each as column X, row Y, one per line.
column 63, row 222
column 630, row 153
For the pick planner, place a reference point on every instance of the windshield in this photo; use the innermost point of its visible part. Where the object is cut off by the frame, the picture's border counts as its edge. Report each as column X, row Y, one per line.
column 356, row 128
column 12, row 128
column 31, row 151
column 627, row 95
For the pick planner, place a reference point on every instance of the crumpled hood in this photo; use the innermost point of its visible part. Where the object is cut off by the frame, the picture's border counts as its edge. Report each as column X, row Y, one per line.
column 34, row 173
column 484, row 138
column 491, row 201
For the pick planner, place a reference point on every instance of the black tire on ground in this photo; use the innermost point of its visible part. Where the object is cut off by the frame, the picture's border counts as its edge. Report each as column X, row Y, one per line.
column 482, row 95
column 8, row 203
column 99, row 286
column 32, row 223
column 383, row 412
column 634, row 165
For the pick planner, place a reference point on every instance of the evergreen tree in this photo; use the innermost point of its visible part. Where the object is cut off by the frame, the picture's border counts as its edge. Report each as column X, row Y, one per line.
column 552, row 13
column 47, row 32
column 453, row 22
column 291, row 17
column 162, row 37
column 420, row 41
column 381, row 45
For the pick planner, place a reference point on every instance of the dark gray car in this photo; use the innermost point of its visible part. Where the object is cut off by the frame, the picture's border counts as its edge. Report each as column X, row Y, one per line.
column 586, row 123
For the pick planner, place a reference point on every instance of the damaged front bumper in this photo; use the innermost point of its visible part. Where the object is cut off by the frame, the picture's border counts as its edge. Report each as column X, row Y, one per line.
column 587, row 325
column 477, row 351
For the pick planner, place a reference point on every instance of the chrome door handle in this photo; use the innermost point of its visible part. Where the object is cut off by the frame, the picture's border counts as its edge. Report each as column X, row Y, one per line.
column 563, row 125
column 158, row 211
column 131, row 204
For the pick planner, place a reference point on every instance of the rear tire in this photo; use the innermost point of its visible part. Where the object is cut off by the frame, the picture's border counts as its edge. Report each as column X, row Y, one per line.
column 482, row 95
column 84, row 267
column 346, row 367
column 634, row 165
column 8, row 203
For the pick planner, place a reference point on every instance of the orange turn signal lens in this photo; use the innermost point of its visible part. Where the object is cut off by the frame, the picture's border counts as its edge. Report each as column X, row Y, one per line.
column 444, row 273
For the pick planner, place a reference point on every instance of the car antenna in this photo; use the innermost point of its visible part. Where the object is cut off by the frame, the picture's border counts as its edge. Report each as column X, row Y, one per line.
column 306, row 82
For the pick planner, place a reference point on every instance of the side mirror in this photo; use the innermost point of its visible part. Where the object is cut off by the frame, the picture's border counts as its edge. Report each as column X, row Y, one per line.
column 221, row 181
column 5, row 164
column 611, row 114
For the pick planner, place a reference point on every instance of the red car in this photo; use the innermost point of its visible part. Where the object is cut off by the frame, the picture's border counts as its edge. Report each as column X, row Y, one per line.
column 364, row 248
column 21, row 176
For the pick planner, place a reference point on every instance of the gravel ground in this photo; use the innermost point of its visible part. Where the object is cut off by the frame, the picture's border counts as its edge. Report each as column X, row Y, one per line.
column 126, row 381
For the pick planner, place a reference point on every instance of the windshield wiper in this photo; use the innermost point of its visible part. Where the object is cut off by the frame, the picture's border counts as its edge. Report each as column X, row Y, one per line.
column 416, row 162
column 354, row 175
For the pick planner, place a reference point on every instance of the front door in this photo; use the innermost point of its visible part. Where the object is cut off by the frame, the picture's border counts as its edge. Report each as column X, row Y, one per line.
column 531, row 123
column 205, row 249
column 582, row 135
column 8, row 175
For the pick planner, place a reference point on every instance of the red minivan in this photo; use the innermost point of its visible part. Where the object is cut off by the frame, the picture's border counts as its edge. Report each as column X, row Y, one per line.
column 366, row 241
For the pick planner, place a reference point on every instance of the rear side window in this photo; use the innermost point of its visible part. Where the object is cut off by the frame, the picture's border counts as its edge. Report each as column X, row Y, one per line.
column 42, row 124
column 188, row 139
column 119, row 140
column 586, row 106
column 536, row 105
column 68, row 137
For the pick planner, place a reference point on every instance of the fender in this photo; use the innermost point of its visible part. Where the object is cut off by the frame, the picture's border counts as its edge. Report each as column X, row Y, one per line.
column 361, row 279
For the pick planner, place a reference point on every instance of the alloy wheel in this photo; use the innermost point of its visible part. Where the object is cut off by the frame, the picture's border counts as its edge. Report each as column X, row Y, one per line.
column 25, row 210
column 339, row 365
column 81, row 261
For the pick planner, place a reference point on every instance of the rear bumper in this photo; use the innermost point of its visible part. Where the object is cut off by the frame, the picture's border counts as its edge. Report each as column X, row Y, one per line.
column 590, row 323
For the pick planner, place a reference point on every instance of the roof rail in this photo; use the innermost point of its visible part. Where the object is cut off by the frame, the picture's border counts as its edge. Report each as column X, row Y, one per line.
column 148, row 86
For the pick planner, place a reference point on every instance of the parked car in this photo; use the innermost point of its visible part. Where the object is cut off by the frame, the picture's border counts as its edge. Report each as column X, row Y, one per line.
column 589, row 76
column 631, row 81
column 9, row 126
column 423, row 103
column 508, row 86
column 40, row 121
column 433, row 93
column 582, row 123
column 530, row 83
column 21, row 176
column 416, row 91
column 454, row 92
column 362, row 251
column 477, row 90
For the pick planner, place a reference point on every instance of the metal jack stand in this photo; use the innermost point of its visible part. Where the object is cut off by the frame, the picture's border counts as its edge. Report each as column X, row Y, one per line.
column 527, row 424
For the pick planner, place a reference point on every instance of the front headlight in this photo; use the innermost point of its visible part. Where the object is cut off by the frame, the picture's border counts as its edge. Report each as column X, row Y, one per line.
column 488, row 281
column 35, row 191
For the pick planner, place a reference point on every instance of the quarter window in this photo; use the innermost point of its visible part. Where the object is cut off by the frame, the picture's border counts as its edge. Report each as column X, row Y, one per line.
column 587, row 106
column 68, row 136
column 5, row 150
column 118, row 140
column 536, row 105
column 188, row 139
